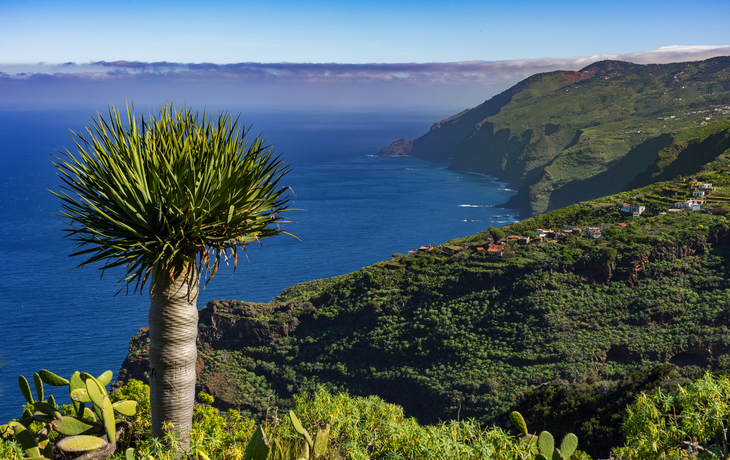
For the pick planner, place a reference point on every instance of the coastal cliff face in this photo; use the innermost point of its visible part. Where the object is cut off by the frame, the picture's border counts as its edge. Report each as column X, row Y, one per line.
column 564, row 137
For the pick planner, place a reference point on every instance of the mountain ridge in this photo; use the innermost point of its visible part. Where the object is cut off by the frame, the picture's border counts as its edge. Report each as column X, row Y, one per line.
column 551, row 134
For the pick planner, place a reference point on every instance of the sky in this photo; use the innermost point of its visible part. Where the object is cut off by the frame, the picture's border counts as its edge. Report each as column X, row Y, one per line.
column 319, row 54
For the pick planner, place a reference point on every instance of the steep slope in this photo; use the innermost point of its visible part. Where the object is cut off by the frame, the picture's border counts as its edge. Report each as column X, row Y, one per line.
column 460, row 332
column 563, row 137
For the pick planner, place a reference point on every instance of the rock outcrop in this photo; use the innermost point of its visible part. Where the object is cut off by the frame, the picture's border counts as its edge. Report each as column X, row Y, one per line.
column 399, row 148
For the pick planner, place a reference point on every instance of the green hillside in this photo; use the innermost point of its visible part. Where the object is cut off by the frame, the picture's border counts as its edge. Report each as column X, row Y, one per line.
column 564, row 137
column 458, row 332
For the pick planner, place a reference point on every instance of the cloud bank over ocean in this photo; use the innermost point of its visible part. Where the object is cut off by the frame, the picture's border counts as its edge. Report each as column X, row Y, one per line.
column 280, row 85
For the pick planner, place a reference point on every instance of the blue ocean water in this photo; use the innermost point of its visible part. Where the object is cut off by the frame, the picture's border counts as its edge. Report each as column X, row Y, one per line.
column 357, row 209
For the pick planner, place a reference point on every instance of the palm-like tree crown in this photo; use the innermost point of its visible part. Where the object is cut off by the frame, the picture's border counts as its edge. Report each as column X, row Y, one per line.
column 168, row 190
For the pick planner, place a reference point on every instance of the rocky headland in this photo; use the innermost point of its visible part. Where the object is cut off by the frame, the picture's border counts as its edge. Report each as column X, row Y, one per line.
column 399, row 148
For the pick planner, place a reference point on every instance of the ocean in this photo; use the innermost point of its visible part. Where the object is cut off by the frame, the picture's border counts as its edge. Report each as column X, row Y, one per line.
column 356, row 209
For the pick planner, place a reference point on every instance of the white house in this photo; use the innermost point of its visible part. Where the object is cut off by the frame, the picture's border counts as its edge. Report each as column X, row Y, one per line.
column 632, row 208
column 594, row 232
column 705, row 186
column 698, row 193
column 689, row 204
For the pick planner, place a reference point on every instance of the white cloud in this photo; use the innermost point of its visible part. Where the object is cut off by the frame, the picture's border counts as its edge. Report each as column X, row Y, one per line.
column 486, row 72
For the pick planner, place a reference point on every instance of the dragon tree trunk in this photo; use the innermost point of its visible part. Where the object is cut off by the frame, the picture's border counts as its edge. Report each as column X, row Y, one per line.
column 173, row 321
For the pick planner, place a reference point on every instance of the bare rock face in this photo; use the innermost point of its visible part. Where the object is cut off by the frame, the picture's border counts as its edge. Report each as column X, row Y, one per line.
column 398, row 148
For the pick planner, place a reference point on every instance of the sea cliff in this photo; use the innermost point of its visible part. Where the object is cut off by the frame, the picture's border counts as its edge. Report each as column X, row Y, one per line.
column 564, row 137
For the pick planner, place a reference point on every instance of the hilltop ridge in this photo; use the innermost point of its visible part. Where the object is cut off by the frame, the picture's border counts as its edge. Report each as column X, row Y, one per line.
column 568, row 136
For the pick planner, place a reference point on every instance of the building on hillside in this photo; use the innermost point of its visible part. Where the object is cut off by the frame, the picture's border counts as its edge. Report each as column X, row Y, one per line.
column 683, row 204
column 495, row 249
column 524, row 240
column 543, row 232
column 572, row 229
column 605, row 226
column 698, row 193
column 425, row 248
column 594, row 232
column 705, row 186
column 633, row 209
column 514, row 238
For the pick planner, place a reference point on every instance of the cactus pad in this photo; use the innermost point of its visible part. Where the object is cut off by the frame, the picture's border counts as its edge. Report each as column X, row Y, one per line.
column 568, row 446
column 107, row 416
column 90, row 415
column 70, row 426
column 25, row 389
column 26, row 439
column 80, row 395
column 127, row 407
column 105, row 378
column 80, row 443
column 38, row 383
column 75, row 381
column 52, row 379
column 546, row 444
column 518, row 421
column 46, row 408
column 95, row 390
column 41, row 417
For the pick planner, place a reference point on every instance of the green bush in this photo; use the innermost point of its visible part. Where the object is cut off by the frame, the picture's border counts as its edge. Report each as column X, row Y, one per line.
column 689, row 420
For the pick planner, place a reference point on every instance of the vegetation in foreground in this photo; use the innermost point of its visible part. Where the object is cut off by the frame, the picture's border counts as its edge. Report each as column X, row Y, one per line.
column 678, row 421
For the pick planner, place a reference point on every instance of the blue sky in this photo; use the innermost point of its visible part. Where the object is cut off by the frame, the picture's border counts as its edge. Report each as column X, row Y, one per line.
column 524, row 36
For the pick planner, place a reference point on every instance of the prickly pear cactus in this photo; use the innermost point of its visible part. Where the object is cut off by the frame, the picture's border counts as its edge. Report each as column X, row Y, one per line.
column 518, row 421
column 546, row 445
column 568, row 446
column 80, row 433
column 80, row 443
column 547, row 450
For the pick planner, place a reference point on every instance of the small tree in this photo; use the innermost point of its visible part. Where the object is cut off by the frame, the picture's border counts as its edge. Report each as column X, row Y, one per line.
column 168, row 197
column 496, row 233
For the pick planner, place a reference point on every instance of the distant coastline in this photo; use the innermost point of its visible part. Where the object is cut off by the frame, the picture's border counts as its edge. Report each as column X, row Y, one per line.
column 398, row 148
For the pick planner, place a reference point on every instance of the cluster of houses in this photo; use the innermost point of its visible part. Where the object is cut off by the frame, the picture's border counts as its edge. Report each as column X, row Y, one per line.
column 721, row 109
column 701, row 190
column 497, row 248
column 544, row 234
